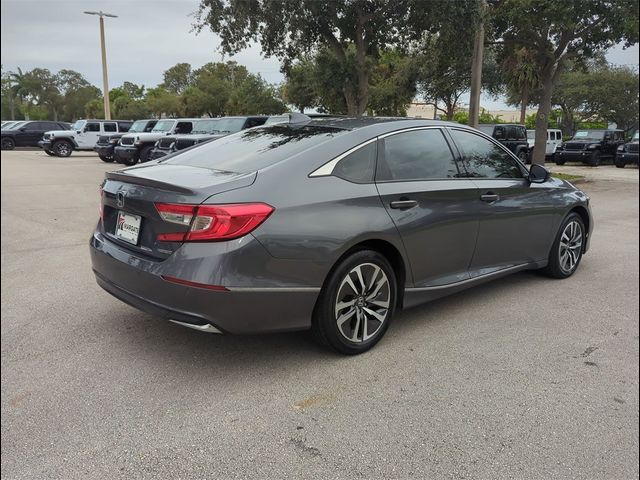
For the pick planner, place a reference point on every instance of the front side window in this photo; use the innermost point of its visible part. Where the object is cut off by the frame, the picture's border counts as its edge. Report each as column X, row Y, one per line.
column 517, row 133
column 205, row 126
column 184, row 127
column 484, row 159
column 110, row 127
column 164, row 126
column 359, row 166
column 230, row 125
column 499, row 133
column 417, row 155
column 32, row 126
column 92, row 127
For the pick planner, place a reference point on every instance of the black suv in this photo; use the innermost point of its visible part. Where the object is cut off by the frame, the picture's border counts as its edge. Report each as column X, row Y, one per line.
column 590, row 147
column 106, row 144
column 628, row 153
column 29, row 133
column 512, row 136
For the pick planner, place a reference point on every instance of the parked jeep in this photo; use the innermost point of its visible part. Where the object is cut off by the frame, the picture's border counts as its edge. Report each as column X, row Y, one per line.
column 590, row 147
column 554, row 140
column 83, row 136
column 512, row 136
column 27, row 133
column 137, row 146
column 203, row 130
column 105, row 146
column 628, row 153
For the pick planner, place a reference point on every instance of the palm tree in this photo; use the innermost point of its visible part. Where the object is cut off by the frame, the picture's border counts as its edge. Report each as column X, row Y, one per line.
column 521, row 77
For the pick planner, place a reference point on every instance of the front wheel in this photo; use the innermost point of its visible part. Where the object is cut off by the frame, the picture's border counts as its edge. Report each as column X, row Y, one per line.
column 50, row 153
column 145, row 152
column 557, row 158
column 356, row 303
column 594, row 160
column 619, row 162
column 62, row 148
column 106, row 158
column 8, row 144
column 567, row 249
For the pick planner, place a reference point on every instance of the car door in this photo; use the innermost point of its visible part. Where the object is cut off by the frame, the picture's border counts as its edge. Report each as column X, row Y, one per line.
column 89, row 135
column 515, row 216
column 29, row 134
column 430, row 202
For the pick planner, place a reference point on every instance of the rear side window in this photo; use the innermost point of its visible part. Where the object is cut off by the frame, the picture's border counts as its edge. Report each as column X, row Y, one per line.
column 417, row 155
column 184, row 127
column 516, row 133
column 251, row 150
column 484, row 159
column 359, row 166
column 110, row 127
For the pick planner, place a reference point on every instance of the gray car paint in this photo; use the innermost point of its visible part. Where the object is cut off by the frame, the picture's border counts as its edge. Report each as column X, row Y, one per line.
column 452, row 240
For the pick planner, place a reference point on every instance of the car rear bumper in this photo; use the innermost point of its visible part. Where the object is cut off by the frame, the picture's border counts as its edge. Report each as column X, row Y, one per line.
column 627, row 157
column 126, row 153
column 236, row 310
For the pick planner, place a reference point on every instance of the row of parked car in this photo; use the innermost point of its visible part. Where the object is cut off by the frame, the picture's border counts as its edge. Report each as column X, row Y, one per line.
column 129, row 142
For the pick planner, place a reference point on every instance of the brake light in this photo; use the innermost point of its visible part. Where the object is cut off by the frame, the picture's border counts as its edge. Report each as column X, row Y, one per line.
column 212, row 222
column 101, row 205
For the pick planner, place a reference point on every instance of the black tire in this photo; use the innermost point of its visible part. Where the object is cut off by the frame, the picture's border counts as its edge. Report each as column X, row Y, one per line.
column 382, row 290
column 8, row 143
column 619, row 162
column 558, row 159
column 144, row 153
column 523, row 156
column 557, row 266
column 50, row 153
column 127, row 161
column 105, row 158
column 62, row 148
column 594, row 159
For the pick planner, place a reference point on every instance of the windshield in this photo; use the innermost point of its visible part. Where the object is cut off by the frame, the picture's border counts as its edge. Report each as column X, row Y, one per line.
column 79, row 125
column 164, row 126
column 589, row 135
column 636, row 136
column 206, row 126
column 251, row 150
column 230, row 125
column 138, row 126
column 531, row 134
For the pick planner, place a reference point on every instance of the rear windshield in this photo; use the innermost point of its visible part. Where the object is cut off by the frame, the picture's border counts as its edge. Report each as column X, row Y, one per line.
column 251, row 150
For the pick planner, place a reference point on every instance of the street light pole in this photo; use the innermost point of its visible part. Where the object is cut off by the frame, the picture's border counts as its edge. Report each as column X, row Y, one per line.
column 105, row 78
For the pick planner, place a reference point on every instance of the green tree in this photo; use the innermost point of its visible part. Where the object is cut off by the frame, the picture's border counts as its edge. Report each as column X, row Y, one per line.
column 178, row 78
column 162, row 102
column 393, row 84
column 556, row 32
column 353, row 30
column 521, row 77
column 299, row 87
column 94, row 108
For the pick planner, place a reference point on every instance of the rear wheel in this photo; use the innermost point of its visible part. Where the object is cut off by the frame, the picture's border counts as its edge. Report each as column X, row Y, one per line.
column 594, row 159
column 144, row 153
column 566, row 251
column 62, row 148
column 356, row 304
column 619, row 162
column 106, row 158
column 8, row 144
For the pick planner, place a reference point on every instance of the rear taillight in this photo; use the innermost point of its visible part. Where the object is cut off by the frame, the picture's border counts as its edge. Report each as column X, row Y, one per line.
column 212, row 222
column 101, row 205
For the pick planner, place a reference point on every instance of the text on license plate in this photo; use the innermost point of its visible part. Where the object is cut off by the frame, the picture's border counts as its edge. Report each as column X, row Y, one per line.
column 128, row 227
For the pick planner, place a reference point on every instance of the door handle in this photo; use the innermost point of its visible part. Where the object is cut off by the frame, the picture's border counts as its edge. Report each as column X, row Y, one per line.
column 490, row 197
column 403, row 204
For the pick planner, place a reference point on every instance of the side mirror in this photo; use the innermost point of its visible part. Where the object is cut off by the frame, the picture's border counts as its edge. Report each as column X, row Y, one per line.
column 23, row 129
column 78, row 131
column 538, row 174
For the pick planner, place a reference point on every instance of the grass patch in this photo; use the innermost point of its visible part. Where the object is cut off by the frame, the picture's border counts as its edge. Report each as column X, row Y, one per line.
column 567, row 176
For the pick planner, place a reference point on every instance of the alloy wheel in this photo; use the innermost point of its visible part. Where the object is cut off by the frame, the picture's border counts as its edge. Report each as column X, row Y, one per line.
column 363, row 301
column 570, row 246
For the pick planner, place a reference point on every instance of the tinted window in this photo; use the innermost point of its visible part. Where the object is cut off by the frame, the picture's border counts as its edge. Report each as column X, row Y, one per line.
column 359, row 166
column 110, row 127
column 418, row 155
column 92, row 127
column 184, row 127
column 499, row 133
column 251, row 150
column 516, row 133
column 254, row 122
column 484, row 159
column 32, row 126
column 124, row 126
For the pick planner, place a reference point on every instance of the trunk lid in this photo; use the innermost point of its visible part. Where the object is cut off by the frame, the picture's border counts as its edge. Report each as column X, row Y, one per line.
column 135, row 191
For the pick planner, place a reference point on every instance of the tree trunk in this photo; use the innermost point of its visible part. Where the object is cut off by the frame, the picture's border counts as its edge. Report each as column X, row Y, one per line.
column 523, row 106
column 542, row 118
column 476, row 70
column 12, row 107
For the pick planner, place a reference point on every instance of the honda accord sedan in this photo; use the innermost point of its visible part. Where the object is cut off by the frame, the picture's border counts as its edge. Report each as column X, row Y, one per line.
column 331, row 225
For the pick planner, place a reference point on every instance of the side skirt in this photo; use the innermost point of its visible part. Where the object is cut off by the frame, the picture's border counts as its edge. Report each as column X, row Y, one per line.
column 416, row 296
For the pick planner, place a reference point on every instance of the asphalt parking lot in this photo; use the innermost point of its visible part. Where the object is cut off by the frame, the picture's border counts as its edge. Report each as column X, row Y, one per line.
column 524, row 377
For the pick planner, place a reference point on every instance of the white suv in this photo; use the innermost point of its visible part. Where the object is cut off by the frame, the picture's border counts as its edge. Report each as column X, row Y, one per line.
column 83, row 135
column 554, row 140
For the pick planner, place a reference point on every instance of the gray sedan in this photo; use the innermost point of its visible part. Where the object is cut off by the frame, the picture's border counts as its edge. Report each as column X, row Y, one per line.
column 330, row 225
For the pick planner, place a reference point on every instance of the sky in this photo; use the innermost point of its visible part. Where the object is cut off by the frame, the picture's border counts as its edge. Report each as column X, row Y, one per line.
column 148, row 37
